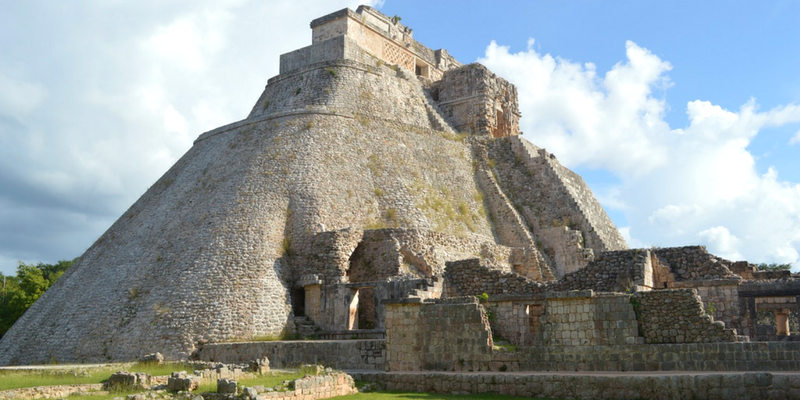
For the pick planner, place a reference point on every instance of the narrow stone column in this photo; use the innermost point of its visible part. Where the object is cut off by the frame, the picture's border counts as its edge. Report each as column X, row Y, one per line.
column 782, row 321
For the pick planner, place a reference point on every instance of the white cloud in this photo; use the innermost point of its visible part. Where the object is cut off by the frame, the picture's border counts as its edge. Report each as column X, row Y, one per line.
column 693, row 184
column 569, row 109
column 19, row 97
column 99, row 98
column 721, row 239
column 795, row 139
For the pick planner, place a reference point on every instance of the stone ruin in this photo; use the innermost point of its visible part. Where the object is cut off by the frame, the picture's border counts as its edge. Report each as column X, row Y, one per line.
column 375, row 189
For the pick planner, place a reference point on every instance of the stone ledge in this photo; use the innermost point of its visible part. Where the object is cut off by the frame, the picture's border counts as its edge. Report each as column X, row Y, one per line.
column 654, row 386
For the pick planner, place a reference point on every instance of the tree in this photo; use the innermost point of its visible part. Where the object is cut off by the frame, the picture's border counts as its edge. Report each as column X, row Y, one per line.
column 19, row 292
column 774, row 267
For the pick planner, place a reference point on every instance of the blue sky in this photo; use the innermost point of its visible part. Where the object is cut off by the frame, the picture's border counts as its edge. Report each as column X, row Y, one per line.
column 681, row 116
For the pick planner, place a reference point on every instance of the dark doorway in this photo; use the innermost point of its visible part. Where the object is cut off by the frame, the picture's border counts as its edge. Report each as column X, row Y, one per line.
column 366, row 308
column 299, row 302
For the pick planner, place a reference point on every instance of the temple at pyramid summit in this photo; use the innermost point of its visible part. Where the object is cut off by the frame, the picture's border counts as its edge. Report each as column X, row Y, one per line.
column 379, row 203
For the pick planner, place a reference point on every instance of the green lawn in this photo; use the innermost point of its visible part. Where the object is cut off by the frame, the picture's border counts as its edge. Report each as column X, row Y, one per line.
column 47, row 377
column 13, row 379
column 108, row 396
column 426, row 396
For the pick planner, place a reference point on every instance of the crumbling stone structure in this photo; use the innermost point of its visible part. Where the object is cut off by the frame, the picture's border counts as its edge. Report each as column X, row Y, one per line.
column 478, row 101
column 373, row 189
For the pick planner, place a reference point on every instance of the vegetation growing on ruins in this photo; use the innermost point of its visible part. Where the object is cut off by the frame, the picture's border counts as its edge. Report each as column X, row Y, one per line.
column 21, row 290
column 773, row 267
column 444, row 210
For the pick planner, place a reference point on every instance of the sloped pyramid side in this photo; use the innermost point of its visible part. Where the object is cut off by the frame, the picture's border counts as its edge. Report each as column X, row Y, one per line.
column 198, row 257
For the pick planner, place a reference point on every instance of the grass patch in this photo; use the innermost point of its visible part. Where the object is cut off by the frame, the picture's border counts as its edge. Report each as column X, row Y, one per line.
column 23, row 379
column 272, row 379
column 156, row 369
column 14, row 379
column 504, row 347
column 267, row 338
column 107, row 396
column 446, row 211
column 455, row 136
column 206, row 387
column 429, row 396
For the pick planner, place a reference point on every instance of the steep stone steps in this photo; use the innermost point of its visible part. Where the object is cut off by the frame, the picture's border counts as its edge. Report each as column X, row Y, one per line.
column 508, row 225
column 429, row 290
column 305, row 327
column 435, row 115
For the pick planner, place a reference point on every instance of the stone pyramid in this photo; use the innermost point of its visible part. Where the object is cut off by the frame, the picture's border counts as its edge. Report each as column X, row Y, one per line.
column 369, row 158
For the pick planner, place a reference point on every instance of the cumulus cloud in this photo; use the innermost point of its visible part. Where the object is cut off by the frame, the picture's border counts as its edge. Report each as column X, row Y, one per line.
column 795, row 139
column 98, row 99
column 678, row 185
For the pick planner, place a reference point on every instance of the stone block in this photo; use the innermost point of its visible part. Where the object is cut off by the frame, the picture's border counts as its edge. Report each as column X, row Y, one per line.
column 122, row 380
column 152, row 358
column 181, row 381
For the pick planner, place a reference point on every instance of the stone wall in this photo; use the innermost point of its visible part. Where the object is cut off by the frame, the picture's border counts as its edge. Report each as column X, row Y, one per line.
column 447, row 334
column 748, row 385
column 346, row 85
column 720, row 300
column 471, row 277
column 587, row 319
column 678, row 316
column 579, row 318
column 726, row 356
column 382, row 37
column 693, row 263
column 611, row 271
column 477, row 101
column 345, row 307
column 327, row 385
column 339, row 354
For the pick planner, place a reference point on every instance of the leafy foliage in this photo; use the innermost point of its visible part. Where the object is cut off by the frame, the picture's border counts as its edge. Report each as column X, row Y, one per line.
column 19, row 291
column 773, row 267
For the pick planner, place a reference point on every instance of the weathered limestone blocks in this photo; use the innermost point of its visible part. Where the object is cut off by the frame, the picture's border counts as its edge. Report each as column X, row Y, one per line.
column 322, row 386
column 477, row 101
column 421, row 335
column 470, row 277
column 182, row 381
column 677, row 316
column 152, row 358
column 124, row 380
column 226, row 386
column 586, row 319
column 707, row 386
column 380, row 36
column 260, row 366
column 611, row 271
column 694, row 263
column 339, row 354
column 724, row 356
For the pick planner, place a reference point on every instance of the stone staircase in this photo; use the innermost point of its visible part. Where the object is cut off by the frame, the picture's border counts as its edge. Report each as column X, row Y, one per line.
column 435, row 115
column 510, row 228
column 305, row 327
column 427, row 290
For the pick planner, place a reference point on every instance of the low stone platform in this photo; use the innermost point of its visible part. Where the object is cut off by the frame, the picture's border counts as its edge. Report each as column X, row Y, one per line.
column 735, row 356
column 597, row 385
column 367, row 354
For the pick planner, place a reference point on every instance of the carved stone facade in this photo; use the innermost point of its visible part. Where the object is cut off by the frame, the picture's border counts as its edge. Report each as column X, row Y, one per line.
column 477, row 101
